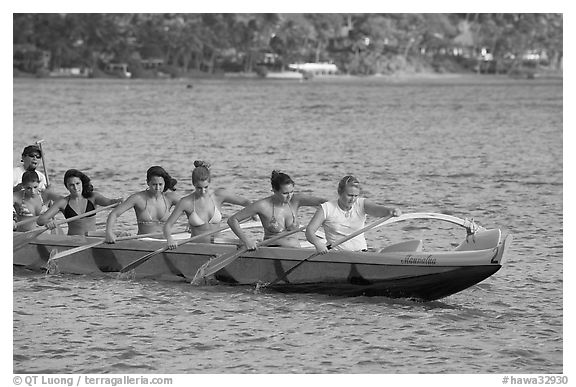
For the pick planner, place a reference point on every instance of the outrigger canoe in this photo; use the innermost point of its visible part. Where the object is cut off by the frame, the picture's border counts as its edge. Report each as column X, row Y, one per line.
column 401, row 270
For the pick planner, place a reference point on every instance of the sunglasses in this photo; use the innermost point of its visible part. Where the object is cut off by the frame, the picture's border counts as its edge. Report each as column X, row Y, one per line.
column 34, row 155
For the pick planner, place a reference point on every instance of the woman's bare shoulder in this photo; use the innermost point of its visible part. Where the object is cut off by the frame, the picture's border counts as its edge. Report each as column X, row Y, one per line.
column 173, row 196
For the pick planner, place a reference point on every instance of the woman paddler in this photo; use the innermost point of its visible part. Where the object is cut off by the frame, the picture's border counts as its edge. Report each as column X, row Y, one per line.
column 278, row 212
column 151, row 206
column 203, row 207
column 343, row 216
column 82, row 199
column 28, row 202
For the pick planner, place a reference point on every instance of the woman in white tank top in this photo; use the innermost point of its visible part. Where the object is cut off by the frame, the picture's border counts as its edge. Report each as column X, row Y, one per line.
column 343, row 216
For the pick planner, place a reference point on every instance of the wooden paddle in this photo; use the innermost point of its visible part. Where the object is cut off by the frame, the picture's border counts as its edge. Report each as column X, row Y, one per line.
column 78, row 249
column 50, row 202
column 329, row 246
column 22, row 239
column 213, row 265
column 39, row 143
column 146, row 257
column 26, row 221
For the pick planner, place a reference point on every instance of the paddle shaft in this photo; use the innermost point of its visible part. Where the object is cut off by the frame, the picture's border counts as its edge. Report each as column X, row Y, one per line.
column 72, row 219
column 146, row 257
column 39, row 143
column 26, row 221
column 226, row 259
column 98, row 243
column 330, row 246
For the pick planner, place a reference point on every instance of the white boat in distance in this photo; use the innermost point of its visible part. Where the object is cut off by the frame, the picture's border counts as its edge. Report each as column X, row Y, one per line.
column 301, row 71
column 311, row 70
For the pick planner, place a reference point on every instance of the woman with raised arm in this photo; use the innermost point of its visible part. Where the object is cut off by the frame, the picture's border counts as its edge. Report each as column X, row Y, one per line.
column 343, row 216
column 203, row 207
column 278, row 212
column 152, row 206
column 82, row 199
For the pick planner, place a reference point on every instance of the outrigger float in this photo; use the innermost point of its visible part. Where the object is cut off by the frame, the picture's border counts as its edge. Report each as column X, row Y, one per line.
column 401, row 270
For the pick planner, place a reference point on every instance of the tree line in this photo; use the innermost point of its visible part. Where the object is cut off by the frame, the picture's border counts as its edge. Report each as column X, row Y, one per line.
column 356, row 43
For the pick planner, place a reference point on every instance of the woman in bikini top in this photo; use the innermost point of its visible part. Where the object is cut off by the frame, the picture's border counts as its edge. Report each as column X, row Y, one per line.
column 194, row 220
column 82, row 199
column 274, row 227
column 28, row 202
column 148, row 220
column 151, row 206
column 202, row 207
column 278, row 212
column 69, row 212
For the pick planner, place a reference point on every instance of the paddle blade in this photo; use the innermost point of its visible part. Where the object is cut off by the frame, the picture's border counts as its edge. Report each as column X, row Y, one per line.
column 213, row 265
column 143, row 259
column 22, row 239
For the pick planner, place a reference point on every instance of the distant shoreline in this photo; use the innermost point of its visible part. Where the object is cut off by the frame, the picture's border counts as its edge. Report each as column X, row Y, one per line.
column 394, row 77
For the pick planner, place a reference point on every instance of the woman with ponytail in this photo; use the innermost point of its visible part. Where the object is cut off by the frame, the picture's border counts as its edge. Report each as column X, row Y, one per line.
column 152, row 206
column 278, row 212
column 203, row 206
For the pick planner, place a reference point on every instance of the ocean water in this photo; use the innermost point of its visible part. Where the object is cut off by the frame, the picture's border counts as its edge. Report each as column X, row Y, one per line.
column 480, row 147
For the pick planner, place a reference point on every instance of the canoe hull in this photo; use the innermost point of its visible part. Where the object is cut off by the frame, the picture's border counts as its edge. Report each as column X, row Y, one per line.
column 417, row 274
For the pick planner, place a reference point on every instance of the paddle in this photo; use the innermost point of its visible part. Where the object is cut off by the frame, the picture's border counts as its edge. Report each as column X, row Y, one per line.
column 39, row 143
column 213, row 265
column 78, row 249
column 146, row 257
column 57, row 230
column 26, row 221
column 329, row 246
column 22, row 239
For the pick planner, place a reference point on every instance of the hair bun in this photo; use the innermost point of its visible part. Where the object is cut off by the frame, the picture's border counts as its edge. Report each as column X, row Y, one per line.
column 279, row 178
column 201, row 163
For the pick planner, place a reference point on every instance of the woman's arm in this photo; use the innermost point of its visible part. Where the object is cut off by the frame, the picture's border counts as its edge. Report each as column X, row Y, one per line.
column 183, row 205
column 224, row 196
column 17, row 198
column 102, row 200
column 173, row 198
column 234, row 223
column 380, row 211
column 311, row 229
column 115, row 213
column 49, row 194
column 308, row 200
column 46, row 218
